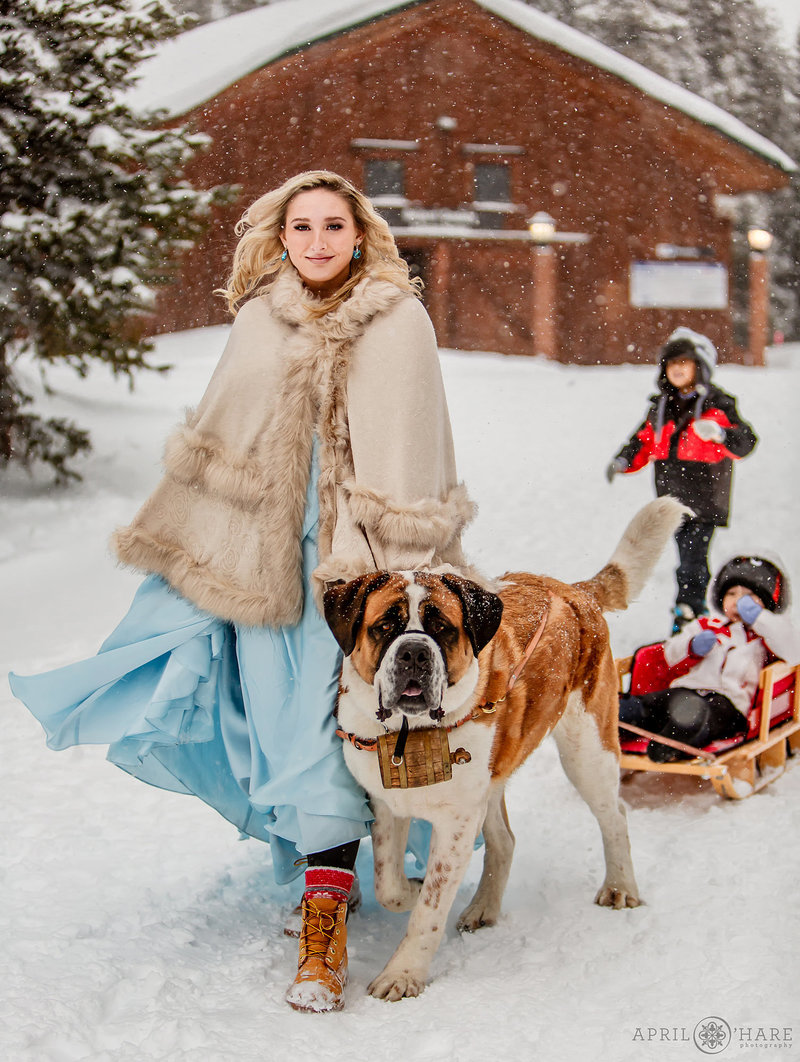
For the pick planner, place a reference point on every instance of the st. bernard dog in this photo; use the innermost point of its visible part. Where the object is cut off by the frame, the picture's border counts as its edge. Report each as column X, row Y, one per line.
column 496, row 673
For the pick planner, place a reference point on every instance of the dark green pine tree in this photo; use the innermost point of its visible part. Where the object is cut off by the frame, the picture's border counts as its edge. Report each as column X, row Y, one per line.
column 746, row 69
column 93, row 207
column 726, row 51
column 785, row 223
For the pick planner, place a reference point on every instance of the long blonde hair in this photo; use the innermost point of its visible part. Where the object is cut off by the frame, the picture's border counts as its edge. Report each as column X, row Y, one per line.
column 257, row 258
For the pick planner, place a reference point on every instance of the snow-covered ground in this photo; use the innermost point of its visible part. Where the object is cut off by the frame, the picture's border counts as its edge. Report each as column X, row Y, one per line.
column 135, row 926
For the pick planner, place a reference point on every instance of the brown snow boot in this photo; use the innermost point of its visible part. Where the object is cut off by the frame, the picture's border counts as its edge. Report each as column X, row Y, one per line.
column 294, row 920
column 322, row 968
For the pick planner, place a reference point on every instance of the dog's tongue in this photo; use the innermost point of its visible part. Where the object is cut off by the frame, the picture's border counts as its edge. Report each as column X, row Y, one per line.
column 413, row 689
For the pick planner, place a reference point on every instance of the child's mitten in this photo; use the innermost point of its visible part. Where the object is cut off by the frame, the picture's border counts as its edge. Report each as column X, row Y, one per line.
column 709, row 431
column 619, row 464
column 749, row 609
column 703, row 643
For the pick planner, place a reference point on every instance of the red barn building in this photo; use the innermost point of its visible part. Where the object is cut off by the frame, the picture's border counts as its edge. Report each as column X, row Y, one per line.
column 463, row 119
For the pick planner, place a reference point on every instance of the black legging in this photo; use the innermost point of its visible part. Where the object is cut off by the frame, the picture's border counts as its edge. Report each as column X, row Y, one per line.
column 684, row 715
column 343, row 856
column 693, row 539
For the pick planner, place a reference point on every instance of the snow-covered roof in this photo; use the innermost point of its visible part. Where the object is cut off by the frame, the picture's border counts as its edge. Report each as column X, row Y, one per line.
column 193, row 67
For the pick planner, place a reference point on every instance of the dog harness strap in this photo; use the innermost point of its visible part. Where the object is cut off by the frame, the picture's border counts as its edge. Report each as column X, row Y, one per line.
column 531, row 646
column 699, row 754
column 487, row 707
column 402, row 737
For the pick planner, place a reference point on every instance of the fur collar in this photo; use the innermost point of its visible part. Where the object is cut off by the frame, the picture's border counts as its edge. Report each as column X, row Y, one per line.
column 291, row 302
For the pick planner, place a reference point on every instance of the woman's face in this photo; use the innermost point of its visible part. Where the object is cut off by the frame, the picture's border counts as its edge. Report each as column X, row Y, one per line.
column 682, row 372
column 320, row 234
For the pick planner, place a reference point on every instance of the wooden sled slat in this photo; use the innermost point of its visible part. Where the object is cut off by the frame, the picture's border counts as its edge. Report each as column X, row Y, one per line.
column 746, row 768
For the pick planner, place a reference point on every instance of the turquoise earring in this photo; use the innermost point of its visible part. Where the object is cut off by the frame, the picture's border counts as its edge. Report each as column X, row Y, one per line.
column 356, row 252
column 284, row 256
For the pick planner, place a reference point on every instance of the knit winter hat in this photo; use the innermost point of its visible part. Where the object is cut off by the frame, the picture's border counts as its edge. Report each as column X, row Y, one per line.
column 685, row 341
column 757, row 574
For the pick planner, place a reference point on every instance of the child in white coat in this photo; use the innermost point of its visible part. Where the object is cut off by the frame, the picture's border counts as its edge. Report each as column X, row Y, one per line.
column 721, row 660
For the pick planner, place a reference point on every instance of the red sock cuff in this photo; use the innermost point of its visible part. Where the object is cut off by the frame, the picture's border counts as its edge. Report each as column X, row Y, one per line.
column 329, row 881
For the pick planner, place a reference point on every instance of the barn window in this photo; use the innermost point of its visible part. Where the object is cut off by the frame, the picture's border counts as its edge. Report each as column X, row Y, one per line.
column 385, row 184
column 491, row 193
column 384, row 177
column 492, row 182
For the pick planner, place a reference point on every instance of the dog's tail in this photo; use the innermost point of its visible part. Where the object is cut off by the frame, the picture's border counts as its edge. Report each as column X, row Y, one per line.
column 632, row 562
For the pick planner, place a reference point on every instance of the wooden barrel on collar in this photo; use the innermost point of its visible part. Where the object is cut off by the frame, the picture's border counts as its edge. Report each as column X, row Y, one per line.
column 425, row 760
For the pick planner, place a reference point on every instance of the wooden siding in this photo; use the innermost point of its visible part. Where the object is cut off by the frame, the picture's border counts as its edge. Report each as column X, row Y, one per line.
column 600, row 156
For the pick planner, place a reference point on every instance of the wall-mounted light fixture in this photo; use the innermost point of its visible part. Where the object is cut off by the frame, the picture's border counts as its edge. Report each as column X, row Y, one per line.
column 760, row 240
column 542, row 227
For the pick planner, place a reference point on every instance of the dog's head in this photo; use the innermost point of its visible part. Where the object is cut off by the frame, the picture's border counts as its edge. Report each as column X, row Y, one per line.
column 412, row 636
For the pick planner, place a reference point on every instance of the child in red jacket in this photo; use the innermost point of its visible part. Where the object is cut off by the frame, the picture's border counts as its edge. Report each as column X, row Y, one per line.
column 722, row 661
column 691, row 434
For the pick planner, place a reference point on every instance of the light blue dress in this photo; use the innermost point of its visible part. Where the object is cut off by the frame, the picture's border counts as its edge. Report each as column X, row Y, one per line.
column 241, row 717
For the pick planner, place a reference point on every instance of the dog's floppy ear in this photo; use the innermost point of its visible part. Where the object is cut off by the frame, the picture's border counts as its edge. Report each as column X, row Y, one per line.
column 482, row 610
column 344, row 607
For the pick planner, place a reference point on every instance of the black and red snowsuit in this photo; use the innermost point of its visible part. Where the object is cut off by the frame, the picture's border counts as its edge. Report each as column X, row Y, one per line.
column 695, row 471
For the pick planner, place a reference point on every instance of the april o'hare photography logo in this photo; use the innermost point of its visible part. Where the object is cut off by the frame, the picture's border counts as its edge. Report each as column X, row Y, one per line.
column 712, row 1035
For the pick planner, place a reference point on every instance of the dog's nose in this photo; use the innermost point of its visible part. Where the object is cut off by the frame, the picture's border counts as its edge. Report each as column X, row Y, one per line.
column 415, row 652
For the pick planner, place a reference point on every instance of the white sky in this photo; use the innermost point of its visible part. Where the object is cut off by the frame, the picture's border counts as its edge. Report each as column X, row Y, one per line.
column 788, row 13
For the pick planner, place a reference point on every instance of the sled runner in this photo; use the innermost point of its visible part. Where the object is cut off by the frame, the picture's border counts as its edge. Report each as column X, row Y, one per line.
column 736, row 767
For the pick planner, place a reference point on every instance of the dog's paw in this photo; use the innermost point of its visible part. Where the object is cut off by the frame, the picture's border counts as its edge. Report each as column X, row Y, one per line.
column 392, row 986
column 617, row 898
column 402, row 897
column 476, row 916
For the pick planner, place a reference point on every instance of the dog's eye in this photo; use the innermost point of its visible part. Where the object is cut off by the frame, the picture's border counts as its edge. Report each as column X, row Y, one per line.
column 437, row 625
column 379, row 630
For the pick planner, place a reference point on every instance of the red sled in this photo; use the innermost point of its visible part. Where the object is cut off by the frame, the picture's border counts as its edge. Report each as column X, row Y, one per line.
column 736, row 767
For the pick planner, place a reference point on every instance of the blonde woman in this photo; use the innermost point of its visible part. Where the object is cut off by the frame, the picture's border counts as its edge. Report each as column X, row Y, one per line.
column 320, row 450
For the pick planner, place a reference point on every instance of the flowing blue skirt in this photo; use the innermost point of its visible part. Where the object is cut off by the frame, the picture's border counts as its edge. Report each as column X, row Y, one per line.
column 241, row 717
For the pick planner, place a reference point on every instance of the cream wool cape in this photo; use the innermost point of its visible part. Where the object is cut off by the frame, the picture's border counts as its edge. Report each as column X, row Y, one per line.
column 224, row 525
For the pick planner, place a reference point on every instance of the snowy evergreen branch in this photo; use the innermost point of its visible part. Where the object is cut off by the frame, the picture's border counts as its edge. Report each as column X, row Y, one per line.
column 93, row 208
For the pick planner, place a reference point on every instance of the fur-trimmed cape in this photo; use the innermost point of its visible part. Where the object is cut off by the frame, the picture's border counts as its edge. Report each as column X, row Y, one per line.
column 224, row 525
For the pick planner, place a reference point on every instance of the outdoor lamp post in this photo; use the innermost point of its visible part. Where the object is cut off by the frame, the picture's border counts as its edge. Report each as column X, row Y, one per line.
column 760, row 242
column 542, row 228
